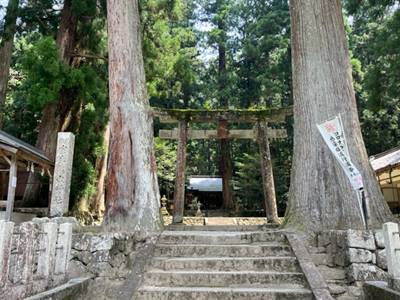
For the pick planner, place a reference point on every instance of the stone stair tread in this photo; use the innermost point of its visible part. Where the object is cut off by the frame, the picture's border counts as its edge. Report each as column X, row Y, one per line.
column 220, row 237
column 227, row 250
column 226, row 263
column 221, row 278
column 217, row 233
column 212, row 258
column 252, row 272
column 252, row 245
column 241, row 289
column 265, row 227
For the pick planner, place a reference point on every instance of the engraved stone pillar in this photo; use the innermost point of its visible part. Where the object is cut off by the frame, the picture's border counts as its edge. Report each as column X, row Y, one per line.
column 47, row 249
column 63, row 249
column 62, row 174
column 6, row 232
column 29, row 236
column 21, row 271
column 392, row 246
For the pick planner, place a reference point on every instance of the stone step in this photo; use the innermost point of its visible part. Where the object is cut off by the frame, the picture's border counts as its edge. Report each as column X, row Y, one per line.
column 69, row 290
column 225, row 228
column 220, row 279
column 204, row 250
column 220, row 237
column 273, row 263
column 280, row 292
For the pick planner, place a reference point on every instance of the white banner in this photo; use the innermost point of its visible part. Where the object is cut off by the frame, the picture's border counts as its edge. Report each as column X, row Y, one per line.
column 333, row 135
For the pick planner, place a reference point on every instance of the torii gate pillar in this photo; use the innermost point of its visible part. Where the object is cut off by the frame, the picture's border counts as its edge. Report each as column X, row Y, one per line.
column 179, row 192
column 267, row 173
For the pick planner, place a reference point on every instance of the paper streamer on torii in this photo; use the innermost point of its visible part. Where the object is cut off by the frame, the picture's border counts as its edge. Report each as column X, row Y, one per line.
column 333, row 134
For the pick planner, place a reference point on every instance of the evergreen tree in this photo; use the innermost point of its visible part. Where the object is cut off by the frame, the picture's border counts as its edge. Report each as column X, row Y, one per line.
column 323, row 88
column 7, row 32
column 375, row 40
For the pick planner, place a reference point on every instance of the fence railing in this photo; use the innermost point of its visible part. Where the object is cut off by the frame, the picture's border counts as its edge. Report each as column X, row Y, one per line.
column 34, row 256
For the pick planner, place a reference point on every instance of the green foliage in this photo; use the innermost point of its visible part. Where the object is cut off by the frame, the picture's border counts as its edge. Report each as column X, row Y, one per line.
column 169, row 52
column 45, row 75
column 44, row 72
column 166, row 165
column 248, row 181
column 202, row 157
column 264, row 62
column 89, row 143
column 42, row 16
column 375, row 43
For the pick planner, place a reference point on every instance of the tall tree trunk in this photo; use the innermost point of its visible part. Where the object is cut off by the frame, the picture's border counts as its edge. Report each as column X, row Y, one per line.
column 225, row 161
column 6, row 46
column 55, row 113
column 132, row 197
column 320, row 194
column 98, row 201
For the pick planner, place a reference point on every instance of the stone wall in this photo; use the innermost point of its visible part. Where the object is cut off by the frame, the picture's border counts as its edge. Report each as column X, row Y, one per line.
column 34, row 257
column 360, row 253
column 112, row 260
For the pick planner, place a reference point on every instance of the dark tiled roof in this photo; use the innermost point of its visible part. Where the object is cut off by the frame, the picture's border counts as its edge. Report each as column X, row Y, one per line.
column 20, row 145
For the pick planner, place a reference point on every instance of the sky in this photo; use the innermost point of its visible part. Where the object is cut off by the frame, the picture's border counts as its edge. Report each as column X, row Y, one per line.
column 3, row 3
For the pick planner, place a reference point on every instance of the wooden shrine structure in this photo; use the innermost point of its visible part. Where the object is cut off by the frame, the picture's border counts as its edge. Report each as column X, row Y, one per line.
column 222, row 118
column 14, row 155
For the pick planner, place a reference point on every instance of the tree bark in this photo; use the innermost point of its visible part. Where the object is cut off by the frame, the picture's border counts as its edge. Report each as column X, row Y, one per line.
column 179, row 192
column 132, row 197
column 320, row 194
column 54, row 114
column 225, row 160
column 6, row 47
column 98, row 201
column 267, row 173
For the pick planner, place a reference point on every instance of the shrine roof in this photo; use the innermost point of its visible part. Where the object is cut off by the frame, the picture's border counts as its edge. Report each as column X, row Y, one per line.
column 386, row 159
column 11, row 144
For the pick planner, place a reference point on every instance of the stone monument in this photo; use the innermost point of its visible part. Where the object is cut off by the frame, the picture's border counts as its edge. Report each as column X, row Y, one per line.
column 62, row 174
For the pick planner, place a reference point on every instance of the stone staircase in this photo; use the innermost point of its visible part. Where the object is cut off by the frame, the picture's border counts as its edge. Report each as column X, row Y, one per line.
column 223, row 262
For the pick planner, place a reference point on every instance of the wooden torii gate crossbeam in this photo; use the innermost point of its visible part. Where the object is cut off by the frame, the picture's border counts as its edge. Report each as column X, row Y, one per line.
column 213, row 134
column 260, row 132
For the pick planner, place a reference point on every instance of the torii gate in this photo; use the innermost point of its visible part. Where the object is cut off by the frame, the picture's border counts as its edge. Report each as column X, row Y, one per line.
column 260, row 132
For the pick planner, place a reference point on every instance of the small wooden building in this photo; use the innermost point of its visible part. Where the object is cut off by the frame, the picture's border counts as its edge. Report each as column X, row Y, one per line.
column 207, row 189
column 17, row 160
column 387, row 168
